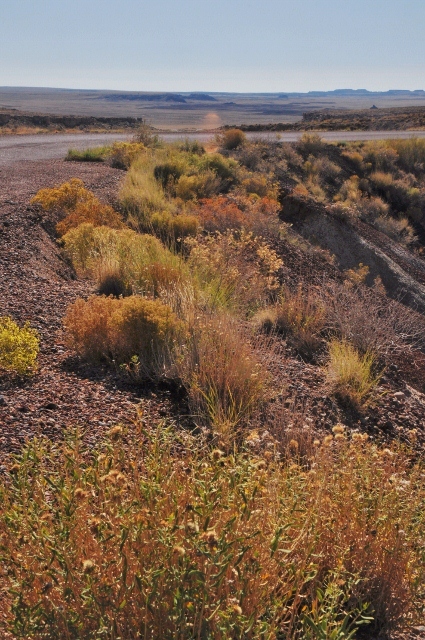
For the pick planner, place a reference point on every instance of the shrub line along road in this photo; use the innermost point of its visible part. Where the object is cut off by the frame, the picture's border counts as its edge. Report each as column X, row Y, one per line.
column 50, row 146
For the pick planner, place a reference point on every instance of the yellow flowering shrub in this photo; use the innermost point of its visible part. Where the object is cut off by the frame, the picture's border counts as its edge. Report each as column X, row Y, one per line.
column 18, row 347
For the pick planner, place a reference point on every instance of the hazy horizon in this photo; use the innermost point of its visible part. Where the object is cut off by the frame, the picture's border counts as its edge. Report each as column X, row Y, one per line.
column 238, row 46
column 203, row 91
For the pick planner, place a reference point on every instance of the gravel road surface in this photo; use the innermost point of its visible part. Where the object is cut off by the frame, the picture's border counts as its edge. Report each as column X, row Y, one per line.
column 51, row 146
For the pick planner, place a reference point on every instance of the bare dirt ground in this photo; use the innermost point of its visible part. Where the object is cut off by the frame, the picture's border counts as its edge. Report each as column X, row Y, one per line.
column 37, row 285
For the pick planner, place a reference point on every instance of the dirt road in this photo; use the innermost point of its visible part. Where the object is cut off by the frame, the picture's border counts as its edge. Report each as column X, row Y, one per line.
column 49, row 146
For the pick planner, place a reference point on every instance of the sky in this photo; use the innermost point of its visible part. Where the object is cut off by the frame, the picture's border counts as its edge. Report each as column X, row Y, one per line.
column 213, row 45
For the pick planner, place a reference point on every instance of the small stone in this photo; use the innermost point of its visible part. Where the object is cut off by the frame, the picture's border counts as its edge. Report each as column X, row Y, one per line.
column 399, row 394
column 2, row 400
column 51, row 406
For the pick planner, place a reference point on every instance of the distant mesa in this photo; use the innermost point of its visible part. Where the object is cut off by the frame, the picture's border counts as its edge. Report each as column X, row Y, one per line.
column 374, row 106
column 202, row 96
column 145, row 97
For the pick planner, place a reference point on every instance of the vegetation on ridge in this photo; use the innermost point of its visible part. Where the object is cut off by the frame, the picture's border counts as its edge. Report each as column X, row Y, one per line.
column 250, row 523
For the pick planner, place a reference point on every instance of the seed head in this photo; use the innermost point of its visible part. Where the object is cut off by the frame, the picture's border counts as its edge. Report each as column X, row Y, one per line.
column 179, row 551
column 192, row 527
column 211, row 537
column 115, row 432
column 217, row 454
column 338, row 428
column 88, row 566
column 80, row 494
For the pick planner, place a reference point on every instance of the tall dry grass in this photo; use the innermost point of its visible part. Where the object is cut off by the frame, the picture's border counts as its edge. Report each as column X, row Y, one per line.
column 153, row 535
column 226, row 380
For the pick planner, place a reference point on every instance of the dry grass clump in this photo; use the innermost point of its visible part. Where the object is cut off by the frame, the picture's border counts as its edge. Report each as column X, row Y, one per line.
column 371, row 322
column 352, row 375
column 411, row 154
column 310, row 144
column 398, row 229
column 222, row 374
column 173, row 229
column 153, row 535
column 19, row 347
column 380, row 155
column 134, row 331
column 141, row 194
column 300, row 315
column 357, row 275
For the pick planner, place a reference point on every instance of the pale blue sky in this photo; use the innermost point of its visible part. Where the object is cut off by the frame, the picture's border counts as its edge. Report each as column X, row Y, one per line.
column 216, row 45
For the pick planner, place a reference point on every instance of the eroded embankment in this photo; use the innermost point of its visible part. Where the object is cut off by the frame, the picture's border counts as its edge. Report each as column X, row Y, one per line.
column 352, row 243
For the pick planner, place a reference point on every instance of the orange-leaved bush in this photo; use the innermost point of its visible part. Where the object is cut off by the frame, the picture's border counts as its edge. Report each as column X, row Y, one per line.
column 132, row 331
column 80, row 205
column 92, row 212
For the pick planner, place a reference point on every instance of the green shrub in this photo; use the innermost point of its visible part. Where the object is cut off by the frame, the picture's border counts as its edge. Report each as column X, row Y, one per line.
column 168, row 174
column 19, row 347
column 133, row 331
column 96, row 154
column 191, row 146
column 224, row 168
column 122, row 154
column 63, row 197
column 98, row 252
column 196, row 187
